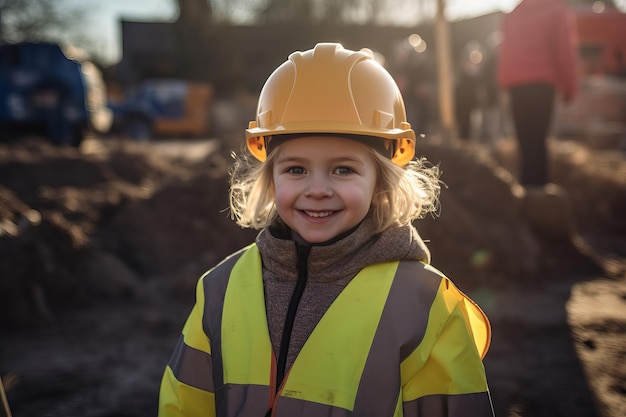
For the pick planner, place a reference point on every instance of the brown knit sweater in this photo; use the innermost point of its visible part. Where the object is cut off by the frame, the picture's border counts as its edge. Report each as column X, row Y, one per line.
column 330, row 269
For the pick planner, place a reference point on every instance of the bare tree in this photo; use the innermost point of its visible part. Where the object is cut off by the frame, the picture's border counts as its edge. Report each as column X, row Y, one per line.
column 28, row 20
column 191, row 32
column 195, row 12
column 48, row 21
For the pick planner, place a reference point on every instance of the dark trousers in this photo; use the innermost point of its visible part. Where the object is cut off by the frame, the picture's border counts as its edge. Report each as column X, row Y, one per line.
column 532, row 106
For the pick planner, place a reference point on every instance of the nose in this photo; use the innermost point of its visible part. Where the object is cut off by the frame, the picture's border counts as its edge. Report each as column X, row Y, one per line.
column 318, row 187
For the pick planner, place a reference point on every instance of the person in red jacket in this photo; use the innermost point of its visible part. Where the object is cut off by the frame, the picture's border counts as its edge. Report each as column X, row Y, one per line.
column 538, row 62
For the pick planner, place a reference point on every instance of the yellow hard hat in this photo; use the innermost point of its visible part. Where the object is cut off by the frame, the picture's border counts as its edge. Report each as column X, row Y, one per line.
column 331, row 90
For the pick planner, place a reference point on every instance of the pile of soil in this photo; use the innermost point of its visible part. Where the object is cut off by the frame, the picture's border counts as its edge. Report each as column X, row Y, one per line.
column 101, row 247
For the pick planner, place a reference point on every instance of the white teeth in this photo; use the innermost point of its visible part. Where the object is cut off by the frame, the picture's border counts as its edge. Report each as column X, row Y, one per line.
column 318, row 213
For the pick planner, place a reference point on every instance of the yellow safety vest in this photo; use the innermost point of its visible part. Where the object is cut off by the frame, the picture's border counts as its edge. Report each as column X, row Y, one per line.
column 400, row 339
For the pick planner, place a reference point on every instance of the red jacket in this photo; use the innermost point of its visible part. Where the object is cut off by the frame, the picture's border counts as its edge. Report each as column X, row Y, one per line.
column 540, row 45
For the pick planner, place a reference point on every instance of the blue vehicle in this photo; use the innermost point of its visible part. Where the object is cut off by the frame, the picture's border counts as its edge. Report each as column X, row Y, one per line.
column 42, row 91
column 165, row 108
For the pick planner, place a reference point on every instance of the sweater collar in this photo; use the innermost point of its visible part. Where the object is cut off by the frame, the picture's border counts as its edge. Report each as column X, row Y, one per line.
column 343, row 257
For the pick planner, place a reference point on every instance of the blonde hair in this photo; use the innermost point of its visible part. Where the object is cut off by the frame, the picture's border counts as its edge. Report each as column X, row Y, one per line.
column 401, row 195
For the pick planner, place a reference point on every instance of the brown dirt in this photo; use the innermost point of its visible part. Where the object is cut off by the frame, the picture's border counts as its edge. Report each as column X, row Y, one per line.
column 100, row 249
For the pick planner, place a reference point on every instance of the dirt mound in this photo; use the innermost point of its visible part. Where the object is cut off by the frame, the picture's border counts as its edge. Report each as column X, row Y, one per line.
column 185, row 221
column 72, row 220
column 56, row 206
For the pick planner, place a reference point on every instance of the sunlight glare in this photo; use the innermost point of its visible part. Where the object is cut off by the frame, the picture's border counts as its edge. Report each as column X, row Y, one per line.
column 598, row 6
column 476, row 56
column 417, row 42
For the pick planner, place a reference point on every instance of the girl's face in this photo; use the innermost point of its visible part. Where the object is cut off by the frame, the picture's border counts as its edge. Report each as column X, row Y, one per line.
column 324, row 186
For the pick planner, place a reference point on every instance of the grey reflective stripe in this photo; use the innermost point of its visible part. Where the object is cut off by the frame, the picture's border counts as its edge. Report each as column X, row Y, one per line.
column 412, row 297
column 409, row 301
column 301, row 408
column 215, row 284
column 459, row 405
column 192, row 366
column 243, row 400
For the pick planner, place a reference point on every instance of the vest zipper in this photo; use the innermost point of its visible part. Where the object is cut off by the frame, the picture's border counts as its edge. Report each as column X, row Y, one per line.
column 302, row 261
column 302, row 252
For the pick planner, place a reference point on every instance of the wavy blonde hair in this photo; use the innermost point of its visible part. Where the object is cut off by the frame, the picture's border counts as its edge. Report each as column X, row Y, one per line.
column 401, row 194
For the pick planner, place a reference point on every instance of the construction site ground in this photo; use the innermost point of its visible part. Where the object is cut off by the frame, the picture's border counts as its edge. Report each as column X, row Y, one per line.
column 101, row 247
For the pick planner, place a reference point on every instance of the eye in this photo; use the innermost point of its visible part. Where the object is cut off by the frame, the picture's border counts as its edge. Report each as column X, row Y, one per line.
column 295, row 170
column 343, row 170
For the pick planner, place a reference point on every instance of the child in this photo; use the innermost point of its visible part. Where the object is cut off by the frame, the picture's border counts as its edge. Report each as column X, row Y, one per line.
column 334, row 310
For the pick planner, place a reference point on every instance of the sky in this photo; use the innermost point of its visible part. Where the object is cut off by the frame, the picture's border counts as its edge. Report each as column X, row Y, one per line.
column 104, row 15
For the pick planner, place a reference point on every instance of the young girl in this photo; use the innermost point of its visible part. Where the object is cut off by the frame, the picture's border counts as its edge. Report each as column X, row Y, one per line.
column 334, row 310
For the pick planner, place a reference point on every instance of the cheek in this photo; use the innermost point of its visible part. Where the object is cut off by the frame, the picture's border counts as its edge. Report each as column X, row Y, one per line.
column 282, row 196
column 360, row 196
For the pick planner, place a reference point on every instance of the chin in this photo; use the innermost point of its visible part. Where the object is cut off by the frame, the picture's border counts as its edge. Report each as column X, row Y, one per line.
column 313, row 239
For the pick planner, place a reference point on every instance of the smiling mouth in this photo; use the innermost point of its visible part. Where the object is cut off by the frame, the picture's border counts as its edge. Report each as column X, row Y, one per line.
column 318, row 213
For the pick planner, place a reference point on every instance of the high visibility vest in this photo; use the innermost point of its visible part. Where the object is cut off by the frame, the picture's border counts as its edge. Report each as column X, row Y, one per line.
column 400, row 338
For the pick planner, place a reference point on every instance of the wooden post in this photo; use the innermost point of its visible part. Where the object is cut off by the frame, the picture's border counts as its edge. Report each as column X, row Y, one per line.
column 5, row 411
column 444, row 73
